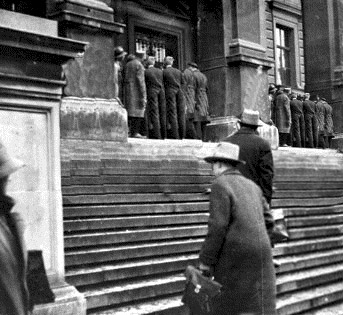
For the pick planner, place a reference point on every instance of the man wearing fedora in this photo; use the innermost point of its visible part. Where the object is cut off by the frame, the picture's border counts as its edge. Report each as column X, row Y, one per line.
column 237, row 250
column 119, row 55
column 14, row 299
column 255, row 151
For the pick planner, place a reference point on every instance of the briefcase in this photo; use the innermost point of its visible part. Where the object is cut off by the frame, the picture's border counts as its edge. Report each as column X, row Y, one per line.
column 199, row 292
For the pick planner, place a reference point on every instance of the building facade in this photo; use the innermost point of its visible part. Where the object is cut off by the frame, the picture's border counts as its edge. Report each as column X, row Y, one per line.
column 56, row 77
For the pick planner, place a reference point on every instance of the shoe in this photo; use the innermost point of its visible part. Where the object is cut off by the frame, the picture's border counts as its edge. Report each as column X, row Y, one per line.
column 138, row 135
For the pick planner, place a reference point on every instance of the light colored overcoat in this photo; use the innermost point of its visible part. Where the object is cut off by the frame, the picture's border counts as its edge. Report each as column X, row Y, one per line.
column 237, row 247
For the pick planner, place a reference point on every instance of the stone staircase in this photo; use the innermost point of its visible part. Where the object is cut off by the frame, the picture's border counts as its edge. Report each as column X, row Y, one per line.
column 135, row 215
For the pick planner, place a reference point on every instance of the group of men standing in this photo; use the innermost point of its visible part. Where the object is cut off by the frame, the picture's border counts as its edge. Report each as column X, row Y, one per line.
column 301, row 122
column 161, row 103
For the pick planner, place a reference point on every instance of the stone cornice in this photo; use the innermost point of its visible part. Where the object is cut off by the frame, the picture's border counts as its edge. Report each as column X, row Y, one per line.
column 56, row 48
column 92, row 14
column 241, row 51
column 295, row 10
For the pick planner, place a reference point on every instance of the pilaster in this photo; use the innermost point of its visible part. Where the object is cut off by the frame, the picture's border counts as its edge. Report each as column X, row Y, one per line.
column 232, row 47
column 31, row 86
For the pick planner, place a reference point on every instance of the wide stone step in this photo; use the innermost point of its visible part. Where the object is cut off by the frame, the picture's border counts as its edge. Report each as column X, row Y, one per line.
column 314, row 220
column 306, row 300
column 122, row 253
column 313, row 177
column 317, row 231
column 308, row 185
column 137, row 222
column 133, row 236
column 134, row 188
column 134, row 198
column 133, row 291
column 136, row 179
column 166, row 306
column 300, row 193
column 309, row 278
column 102, row 273
column 306, row 202
column 333, row 309
column 309, row 211
column 84, row 170
column 294, row 263
column 133, row 209
column 306, row 246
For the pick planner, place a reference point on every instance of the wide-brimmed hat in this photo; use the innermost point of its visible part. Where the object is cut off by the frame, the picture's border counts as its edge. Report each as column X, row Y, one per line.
column 8, row 165
column 250, row 117
column 119, row 52
column 224, row 152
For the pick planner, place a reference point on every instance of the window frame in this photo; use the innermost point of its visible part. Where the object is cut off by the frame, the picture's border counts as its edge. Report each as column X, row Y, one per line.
column 290, row 24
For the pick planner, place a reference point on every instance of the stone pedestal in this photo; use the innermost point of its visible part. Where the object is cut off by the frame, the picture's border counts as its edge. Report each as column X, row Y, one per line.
column 222, row 127
column 93, row 119
column 30, row 93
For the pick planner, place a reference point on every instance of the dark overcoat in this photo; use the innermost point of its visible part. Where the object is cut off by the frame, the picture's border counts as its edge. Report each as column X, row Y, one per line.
column 258, row 157
column 156, row 103
column 237, row 247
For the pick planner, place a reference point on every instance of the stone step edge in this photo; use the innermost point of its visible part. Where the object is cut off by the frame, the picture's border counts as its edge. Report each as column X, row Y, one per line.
column 326, row 296
column 303, row 300
column 171, row 304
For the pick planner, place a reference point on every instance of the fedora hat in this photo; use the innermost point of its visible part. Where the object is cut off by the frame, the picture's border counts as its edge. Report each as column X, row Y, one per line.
column 119, row 52
column 224, row 152
column 8, row 165
column 250, row 117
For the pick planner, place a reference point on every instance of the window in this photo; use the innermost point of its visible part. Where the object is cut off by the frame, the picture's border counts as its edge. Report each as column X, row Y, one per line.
column 161, row 44
column 283, row 55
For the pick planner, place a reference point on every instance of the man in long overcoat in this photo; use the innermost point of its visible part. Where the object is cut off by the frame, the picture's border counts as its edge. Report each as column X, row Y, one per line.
column 237, row 250
column 135, row 95
column 201, row 114
column 156, row 101
column 176, row 116
column 282, row 116
column 255, row 151
column 189, row 94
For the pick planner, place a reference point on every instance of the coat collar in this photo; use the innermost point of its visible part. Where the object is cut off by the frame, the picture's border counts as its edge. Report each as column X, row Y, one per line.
column 233, row 171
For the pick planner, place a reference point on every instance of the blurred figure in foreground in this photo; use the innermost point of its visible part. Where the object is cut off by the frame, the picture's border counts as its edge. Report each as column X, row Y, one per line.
column 14, row 298
column 237, row 249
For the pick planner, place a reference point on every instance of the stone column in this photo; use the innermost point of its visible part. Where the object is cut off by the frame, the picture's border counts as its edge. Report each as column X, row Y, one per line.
column 31, row 58
column 232, row 53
